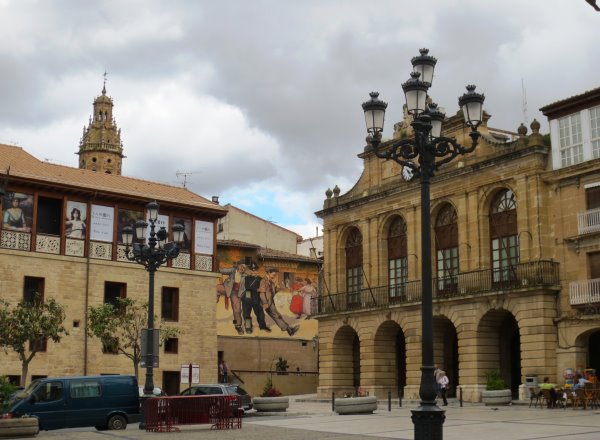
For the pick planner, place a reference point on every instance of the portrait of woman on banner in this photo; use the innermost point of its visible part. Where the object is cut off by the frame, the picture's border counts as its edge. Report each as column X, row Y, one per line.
column 75, row 224
column 18, row 210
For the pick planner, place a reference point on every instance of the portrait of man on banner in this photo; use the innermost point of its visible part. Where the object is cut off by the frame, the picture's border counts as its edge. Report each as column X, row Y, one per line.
column 186, row 244
column 127, row 217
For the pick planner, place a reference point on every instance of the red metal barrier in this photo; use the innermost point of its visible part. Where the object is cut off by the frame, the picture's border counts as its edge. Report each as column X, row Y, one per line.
column 163, row 414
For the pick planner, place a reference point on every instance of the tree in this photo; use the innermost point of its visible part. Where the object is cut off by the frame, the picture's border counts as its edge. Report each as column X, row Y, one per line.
column 119, row 328
column 26, row 327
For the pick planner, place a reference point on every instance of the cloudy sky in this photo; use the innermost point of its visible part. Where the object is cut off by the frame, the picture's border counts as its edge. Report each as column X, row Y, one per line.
column 259, row 101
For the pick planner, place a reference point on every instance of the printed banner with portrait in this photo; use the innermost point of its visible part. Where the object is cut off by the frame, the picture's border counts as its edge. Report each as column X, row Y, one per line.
column 186, row 244
column 76, row 221
column 102, row 223
column 17, row 212
column 127, row 217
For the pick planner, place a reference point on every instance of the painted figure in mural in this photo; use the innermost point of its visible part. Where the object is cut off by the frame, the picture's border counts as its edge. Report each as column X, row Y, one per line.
column 309, row 294
column 75, row 225
column 267, row 291
column 14, row 217
column 235, row 279
column 251, row 301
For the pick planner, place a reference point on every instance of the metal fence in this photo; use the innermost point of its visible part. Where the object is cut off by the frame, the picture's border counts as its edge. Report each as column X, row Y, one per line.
column 524, row 275
column 164, row 414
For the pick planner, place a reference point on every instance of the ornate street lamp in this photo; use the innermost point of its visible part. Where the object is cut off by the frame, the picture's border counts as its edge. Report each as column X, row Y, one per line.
column 151, row 255
column 423, row 155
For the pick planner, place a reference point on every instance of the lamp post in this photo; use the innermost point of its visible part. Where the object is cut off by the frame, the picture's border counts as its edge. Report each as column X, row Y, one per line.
column 430, row 150
column 151, row 255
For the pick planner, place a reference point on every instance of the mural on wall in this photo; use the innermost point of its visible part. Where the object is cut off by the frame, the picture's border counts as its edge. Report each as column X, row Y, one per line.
column 275, row 299
column 17, row 211
column 75, row 223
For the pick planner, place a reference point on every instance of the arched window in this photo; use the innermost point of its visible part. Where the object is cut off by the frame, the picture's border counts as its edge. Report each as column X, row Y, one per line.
column 397, row 257
column 354, row 274
column 446, row 241
column 504, row 237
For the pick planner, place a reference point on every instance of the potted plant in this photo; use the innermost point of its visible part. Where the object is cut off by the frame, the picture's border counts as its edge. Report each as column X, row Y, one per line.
column 270, row 399
column 495, row 392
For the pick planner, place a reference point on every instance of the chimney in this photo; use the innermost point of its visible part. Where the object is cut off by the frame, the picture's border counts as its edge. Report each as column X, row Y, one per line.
column 215, row 200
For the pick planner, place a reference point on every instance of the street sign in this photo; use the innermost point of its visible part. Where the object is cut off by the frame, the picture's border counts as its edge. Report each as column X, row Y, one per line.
column 190, row 373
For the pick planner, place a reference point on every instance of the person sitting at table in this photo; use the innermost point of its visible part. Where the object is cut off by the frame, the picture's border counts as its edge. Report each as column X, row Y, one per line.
column 546, row 385
column 579, row 382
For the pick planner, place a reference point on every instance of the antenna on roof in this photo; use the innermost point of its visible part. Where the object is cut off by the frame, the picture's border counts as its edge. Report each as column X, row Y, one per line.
column 185, row 176
column 524, row 92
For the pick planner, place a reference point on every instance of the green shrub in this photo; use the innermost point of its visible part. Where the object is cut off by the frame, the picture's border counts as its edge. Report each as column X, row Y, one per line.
column 6, row 390
column 493, row 381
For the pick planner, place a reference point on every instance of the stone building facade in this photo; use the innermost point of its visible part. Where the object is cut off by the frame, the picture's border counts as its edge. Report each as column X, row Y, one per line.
column 65, row 242
column 504, row 239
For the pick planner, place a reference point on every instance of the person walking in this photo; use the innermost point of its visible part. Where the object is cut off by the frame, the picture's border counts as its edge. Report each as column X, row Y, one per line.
column 443, row 385
column 225, row 371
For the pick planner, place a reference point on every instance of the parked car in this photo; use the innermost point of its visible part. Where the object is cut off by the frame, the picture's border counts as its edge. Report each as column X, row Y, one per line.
column 221, row 388
column 106, row 402
column 156, row 392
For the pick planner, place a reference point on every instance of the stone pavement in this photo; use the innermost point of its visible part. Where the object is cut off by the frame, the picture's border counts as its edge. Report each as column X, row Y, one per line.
column 308, row 418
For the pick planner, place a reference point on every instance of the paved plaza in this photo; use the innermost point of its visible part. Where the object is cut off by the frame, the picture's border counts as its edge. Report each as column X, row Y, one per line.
column 308, row 418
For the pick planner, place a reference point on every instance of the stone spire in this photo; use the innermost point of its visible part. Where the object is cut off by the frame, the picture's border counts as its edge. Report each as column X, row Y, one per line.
column 100, row 148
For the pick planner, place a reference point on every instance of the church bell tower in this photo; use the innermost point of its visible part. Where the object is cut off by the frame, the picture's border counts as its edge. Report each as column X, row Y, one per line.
column 100, row 148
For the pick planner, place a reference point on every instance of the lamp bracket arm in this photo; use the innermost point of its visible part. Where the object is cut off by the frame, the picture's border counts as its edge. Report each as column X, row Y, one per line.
column 401, row 151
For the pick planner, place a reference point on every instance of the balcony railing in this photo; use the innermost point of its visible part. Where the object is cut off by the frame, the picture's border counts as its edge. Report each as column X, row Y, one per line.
column 524, row 275
column 588, row 221
column 585, row 292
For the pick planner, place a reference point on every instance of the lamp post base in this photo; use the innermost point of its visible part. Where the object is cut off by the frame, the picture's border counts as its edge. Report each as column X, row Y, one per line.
column 428, row 421
column 143, row 414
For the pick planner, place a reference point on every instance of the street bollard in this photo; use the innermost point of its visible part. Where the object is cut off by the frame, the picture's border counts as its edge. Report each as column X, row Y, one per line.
column 461, row 401
column 400, row 399
column 333, row 402
column 389, row 400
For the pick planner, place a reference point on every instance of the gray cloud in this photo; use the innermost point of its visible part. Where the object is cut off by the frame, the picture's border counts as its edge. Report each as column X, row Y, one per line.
column 241, row 93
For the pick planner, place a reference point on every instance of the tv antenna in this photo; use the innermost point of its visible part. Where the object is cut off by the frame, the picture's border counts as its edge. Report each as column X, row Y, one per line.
column 185, row 176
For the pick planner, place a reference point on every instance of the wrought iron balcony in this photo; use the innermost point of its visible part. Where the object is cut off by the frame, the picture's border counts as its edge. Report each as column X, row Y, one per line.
column 522, row 276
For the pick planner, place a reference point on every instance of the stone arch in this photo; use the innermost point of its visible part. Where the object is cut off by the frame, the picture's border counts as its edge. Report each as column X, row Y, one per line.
column 346, row 359
column 499, row 347
column 445, row 349
column 389, row 349
column 589, row 341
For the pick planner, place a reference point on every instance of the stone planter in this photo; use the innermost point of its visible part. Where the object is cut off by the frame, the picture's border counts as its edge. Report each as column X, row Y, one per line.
column 271, row 403
column 355, row 405
column 21, row 427
column 496, row 397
